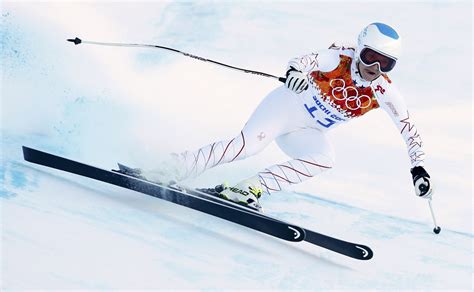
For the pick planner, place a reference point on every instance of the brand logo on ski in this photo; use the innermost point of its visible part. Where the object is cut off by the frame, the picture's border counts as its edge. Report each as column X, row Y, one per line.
column 297, row 233
column 365, row 253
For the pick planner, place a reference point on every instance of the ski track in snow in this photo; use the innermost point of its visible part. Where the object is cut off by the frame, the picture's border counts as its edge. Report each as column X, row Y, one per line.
column 98, row 105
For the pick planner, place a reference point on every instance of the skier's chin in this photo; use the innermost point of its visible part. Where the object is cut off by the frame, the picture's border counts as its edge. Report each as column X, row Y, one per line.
column 369, row 73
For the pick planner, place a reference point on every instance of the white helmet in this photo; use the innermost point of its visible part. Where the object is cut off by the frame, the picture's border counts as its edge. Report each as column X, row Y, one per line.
column 382, row 39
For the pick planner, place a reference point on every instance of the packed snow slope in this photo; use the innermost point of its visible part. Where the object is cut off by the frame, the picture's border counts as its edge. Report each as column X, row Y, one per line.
column 103, row 105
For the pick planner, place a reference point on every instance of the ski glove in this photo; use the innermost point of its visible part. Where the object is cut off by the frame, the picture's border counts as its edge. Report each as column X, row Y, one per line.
column 422, row 183
column 296, row 80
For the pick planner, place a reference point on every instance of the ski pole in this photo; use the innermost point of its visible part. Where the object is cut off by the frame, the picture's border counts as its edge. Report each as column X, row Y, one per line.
column 436, row 229
column 78, row 41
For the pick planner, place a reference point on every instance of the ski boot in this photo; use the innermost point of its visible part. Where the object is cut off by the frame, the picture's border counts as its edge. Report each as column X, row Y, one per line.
column 245, row 193
column 133, row 172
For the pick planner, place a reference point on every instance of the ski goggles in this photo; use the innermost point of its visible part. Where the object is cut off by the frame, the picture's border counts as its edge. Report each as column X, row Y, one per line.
column 369, row 57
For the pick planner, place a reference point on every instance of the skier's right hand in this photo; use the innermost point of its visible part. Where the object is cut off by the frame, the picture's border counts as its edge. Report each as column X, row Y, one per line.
column 296, row 81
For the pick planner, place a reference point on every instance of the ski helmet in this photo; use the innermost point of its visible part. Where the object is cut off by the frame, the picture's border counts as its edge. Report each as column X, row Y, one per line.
column 378, row 43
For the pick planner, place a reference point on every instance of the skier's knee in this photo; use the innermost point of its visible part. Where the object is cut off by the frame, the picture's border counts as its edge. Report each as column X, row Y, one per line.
column 325, row 161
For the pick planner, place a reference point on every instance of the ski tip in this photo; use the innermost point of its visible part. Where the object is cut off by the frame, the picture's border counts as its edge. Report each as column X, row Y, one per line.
column 76, row 41
column 365, row 252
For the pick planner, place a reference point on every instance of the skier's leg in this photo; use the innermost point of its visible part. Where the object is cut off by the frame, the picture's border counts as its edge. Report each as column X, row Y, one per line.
column 312, row 154
column 277, row 114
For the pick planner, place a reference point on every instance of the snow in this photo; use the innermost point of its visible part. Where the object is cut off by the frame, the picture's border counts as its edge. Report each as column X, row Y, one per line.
column 101, row 105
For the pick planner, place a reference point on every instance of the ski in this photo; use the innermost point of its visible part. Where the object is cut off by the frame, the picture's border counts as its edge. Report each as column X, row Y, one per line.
column 350, row 249
column 203, row 202
column 337, row 245
column 271, row 227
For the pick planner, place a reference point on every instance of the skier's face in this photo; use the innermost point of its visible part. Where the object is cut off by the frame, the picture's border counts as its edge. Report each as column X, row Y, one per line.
column 369, row 73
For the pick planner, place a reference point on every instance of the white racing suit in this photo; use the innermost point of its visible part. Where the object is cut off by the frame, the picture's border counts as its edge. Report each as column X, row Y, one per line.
column 298, row 122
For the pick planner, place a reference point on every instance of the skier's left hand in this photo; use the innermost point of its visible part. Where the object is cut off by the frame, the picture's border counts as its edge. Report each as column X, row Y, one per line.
column 422, row 183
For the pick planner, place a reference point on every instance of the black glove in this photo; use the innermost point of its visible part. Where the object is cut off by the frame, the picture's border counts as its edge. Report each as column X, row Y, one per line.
column 296, row 81
column 422, row 183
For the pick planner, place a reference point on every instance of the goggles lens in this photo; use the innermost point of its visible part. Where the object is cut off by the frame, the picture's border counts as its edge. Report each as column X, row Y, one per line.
column 370, row 57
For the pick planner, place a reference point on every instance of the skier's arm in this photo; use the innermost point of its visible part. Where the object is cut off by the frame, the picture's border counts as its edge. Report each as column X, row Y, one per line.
column 390, row 99
column 392, row 102
column 305, row 64
column 297, row 72
column 299, row 68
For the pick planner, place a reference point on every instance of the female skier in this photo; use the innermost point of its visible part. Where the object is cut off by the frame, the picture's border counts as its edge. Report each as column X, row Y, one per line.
column 323, row 90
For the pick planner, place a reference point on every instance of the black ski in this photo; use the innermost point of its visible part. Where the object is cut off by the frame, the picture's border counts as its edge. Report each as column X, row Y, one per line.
column 350, row 249
column 278, row 229
column 202, row 202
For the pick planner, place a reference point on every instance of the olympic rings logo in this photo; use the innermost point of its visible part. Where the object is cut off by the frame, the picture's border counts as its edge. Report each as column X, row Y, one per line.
column 340, row 86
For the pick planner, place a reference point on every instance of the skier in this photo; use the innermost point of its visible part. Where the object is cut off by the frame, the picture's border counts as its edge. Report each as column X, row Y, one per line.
column 322, row 90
